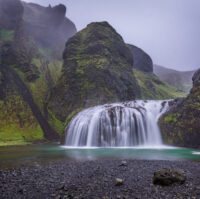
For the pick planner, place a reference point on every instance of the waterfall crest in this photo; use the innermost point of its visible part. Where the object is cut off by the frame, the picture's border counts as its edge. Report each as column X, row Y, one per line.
column 125, row 124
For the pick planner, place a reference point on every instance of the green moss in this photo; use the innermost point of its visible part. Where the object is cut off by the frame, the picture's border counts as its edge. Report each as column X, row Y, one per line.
column 6, row 35
column 97, row 69
column 58, row 125
column 153, row 88
column 13, row 143
column 55, row 68
column 171, row 118
column 13, row 133
column 17, row 123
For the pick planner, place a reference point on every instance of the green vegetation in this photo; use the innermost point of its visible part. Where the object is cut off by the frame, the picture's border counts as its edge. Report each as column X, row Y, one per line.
column 153, row 88
column 58, row 125
column 97, row 69
column 17, row 124
column 45, row 52
column 171, row 118
column 6, row 35
column 181, row 125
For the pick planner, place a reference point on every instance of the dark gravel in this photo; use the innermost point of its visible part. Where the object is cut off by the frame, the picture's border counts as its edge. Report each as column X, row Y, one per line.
column 96, row 179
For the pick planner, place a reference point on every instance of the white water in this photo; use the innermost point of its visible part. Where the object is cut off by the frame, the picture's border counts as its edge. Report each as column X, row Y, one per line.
column 117, row 125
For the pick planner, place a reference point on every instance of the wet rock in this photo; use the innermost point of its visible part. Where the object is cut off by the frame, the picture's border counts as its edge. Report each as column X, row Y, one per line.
column 166, row 177
column 119, row 182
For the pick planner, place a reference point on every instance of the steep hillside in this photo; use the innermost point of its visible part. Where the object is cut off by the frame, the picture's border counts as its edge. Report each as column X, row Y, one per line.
column 39, row 94
column 97, row 69
column 152, row 87
column 28, row 72
column 48, row 27
column 141, row 60
column 180, row 126
column 182, row 80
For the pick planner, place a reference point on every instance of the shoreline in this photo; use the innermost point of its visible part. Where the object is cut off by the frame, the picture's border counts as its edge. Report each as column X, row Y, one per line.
column 96, row 179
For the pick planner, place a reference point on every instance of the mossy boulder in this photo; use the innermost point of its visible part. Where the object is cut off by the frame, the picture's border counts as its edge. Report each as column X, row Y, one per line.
column 97, row 69
column 181, row 125
column 166, row 177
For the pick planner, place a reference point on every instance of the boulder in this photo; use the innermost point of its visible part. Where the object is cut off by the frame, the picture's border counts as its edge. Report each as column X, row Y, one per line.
column 119, row 182
column 166, row 177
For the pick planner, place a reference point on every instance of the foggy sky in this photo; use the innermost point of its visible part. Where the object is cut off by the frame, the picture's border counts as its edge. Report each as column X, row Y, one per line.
column 168, row 30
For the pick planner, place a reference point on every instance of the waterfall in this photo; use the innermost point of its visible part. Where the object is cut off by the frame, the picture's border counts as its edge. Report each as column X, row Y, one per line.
column 125, row 124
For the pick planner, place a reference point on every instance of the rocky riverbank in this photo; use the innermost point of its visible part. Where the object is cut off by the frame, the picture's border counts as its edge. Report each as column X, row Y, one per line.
column 97, row 179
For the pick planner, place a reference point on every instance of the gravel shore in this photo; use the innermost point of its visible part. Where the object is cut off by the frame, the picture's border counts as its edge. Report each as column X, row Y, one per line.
column 96, row 179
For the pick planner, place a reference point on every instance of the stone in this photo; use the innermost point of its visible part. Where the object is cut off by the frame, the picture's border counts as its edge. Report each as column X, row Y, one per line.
column 119, row 182
column 123, row 163
column 166, row 177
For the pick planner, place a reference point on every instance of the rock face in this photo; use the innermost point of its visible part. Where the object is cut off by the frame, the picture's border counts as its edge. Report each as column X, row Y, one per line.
column 11, row 12
column 48, row 26
column 166, row 177
column 97, row 69
column 142, row 61
column 28, row 32
column 182, row 80
column 180, row 126
column 16, row 48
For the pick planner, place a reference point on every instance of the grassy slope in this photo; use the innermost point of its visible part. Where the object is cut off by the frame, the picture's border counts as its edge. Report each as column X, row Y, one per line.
column 182, row 80
column 17, row 124
column 6, row 35
column 153, row 88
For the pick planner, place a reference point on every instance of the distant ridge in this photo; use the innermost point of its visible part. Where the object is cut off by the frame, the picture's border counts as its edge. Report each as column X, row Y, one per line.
column 182, row 80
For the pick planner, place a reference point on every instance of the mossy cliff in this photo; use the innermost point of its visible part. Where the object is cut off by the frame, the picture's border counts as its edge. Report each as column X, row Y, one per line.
column 97, row 69
column 25, row 80
column 181, row 125
column 48, row 27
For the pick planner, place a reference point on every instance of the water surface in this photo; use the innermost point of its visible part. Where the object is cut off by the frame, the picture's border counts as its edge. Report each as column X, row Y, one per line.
column 15, row 156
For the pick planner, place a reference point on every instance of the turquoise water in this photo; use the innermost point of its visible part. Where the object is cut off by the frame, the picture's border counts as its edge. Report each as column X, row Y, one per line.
column 32, row 154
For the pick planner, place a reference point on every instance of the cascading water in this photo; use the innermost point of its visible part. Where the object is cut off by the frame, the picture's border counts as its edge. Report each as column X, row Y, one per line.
column 117, row 125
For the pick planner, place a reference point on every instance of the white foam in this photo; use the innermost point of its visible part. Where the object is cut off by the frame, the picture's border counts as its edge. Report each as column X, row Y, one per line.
column 196, row 152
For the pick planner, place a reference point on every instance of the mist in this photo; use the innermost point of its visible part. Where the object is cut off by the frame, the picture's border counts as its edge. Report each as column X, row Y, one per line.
column 167, row 30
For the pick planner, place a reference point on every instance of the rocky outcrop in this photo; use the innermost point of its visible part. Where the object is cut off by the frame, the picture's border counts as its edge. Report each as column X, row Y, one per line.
column 142, row 61
column 97, row 69
column 16, row 48
column 180, row 126
column 21, row 113
column 11, row 12
column 48, row 26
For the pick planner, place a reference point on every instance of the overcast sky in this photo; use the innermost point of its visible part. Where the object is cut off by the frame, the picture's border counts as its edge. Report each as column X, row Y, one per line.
column 168, row 30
